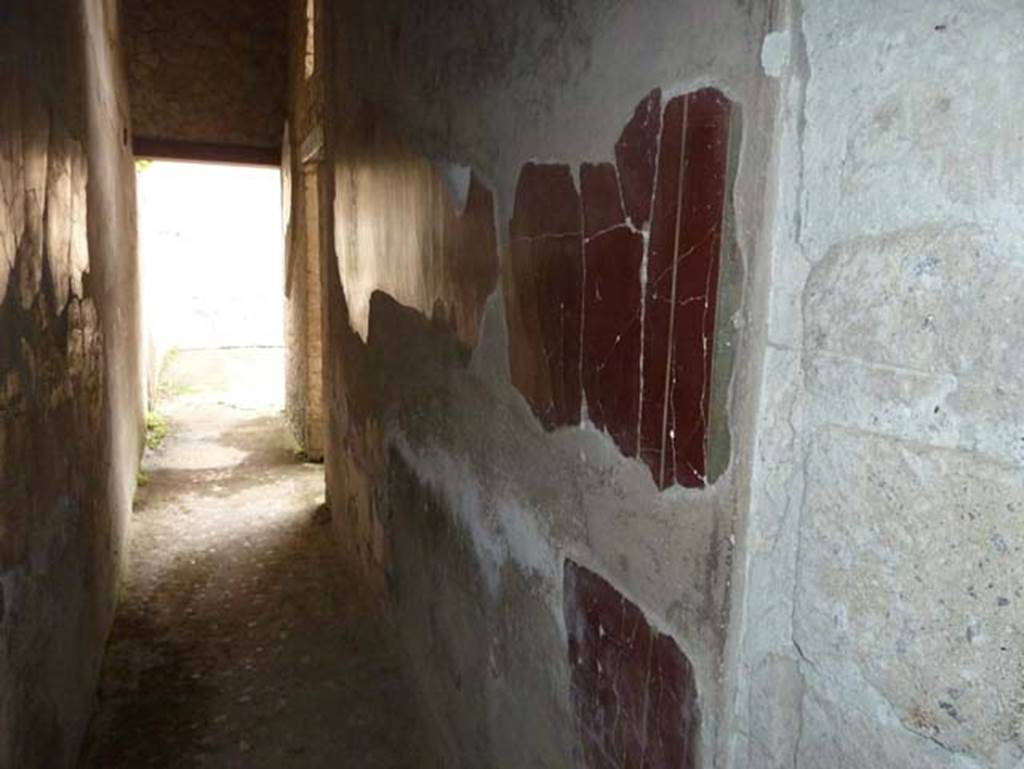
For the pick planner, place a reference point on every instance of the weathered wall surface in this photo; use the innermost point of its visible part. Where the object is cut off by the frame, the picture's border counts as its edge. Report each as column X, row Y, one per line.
column 207, row 72
column 883, row 565
column 304, row 200
column 70, row 385
column 505, row 237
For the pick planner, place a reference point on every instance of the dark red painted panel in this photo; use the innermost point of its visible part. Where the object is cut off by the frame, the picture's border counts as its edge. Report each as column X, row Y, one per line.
column 465, row 243
column 635, row 154
column 558, row 285
column 576, row 266
column 602, row 203
column 682, row 283
column 658, row 328
column 546, row 202
column 611, row 334
column 633, row 690
column 611, row 308
column 699, row 254
column 546, row 262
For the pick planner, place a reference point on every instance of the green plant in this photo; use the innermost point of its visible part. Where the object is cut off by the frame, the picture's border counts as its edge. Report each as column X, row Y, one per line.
column 156, row 429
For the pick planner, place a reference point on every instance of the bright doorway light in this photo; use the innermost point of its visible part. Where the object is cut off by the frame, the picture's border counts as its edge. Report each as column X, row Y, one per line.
column 211, row 249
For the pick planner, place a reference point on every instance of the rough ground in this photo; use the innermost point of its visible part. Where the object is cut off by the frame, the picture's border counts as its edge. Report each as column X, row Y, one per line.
column 239, row 642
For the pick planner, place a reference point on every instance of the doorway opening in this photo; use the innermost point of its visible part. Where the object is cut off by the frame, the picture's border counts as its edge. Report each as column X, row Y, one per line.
column 211, row 251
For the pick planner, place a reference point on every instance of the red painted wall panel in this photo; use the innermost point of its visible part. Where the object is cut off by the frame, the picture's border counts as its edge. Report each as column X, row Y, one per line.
column 636, row 154
column 546, row 275
column 633, row 690
column 589, row 314
column 612, row 253
column 701, row 206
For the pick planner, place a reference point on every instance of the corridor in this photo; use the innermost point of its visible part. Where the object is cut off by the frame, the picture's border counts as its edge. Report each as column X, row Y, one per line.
column 601, row 383
column 239, row 639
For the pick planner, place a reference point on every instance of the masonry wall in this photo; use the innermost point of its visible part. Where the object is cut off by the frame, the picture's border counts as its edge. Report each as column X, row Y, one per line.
column 207, row 72
column 70, row 383
column 882, row 566
column 306, row 205
column 539, row 430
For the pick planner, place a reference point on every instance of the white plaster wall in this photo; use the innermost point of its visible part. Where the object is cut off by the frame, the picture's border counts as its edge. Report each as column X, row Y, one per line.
column 883, row 609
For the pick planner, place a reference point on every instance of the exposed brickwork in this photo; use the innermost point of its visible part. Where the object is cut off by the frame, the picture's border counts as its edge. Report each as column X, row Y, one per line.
column 203, row 71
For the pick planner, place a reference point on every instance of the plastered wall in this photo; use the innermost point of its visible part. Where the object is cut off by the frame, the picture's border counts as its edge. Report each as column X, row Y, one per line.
column 837, row 585
column 70, row 384
column 483, row 473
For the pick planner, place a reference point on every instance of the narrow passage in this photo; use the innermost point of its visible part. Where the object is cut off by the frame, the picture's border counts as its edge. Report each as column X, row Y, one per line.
column 239, row 640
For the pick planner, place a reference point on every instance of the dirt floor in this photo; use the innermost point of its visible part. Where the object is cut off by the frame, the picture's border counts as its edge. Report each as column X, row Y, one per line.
column 239, row 642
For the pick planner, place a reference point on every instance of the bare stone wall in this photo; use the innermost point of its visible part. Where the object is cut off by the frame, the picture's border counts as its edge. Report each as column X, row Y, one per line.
column 70, row 382
column 883, row 611
column 208, row 72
